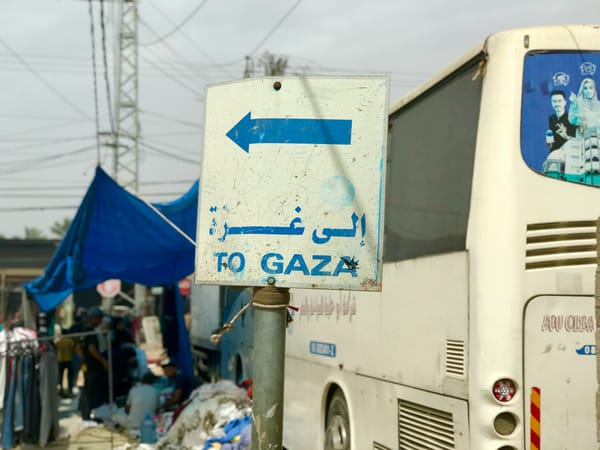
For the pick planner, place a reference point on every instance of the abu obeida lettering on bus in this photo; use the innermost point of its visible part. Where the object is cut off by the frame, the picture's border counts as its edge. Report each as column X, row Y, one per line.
column 570, row 323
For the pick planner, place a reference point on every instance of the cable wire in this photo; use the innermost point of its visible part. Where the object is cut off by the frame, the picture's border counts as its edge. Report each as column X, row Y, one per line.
column 105, row 63
column 190, row 40
column 186, row 62
column 172, row 78
column 174, row 30
column 171, row 119
column 97, row 118
column 168, row 154
column 43, row 80
column 186, row 151
column 29, row 163
column 277, row 25
column 37, row 208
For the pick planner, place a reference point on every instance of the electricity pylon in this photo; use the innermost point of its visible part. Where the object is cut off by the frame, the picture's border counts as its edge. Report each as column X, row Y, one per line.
column 127, row 126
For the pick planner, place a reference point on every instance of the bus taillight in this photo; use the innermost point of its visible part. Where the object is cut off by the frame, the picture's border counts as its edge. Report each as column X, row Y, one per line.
column 504, row 390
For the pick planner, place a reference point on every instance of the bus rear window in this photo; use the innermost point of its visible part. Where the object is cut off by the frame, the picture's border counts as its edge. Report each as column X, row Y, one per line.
column 560, row 115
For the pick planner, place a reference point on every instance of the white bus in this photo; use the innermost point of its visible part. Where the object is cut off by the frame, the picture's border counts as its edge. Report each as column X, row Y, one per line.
column 483, row 334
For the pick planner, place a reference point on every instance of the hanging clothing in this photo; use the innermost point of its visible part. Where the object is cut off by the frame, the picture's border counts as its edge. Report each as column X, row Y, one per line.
column 19, row 407
column 48, row 397
column 31, row 401
column 3, row 365
column 8, row 436
column 25, row 369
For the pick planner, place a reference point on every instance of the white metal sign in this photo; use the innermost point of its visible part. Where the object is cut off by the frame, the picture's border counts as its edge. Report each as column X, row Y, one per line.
column 109, row 288
column 292, row 183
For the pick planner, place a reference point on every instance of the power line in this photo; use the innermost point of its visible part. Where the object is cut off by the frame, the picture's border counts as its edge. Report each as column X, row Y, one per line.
column 186, row 151
column 39, row 117
column 46, row 139
column 43, row 80
column 188, row 69
column 68, row 63
column 186, row 62
column 171, row 119
column 97, row 114
column 168, row 154
column 49, row 165
column 81, row 186
column 175, row 80
column 174, row 30
column 66, row 122
column 29, row 164
column 175, row 133
column 105, row 64
column 72, row 195
column 163, row 182
column 41, row 145
column 73, row 207
column 190, row 41
column 277, row 25
column 38, row 208
column 45, row 196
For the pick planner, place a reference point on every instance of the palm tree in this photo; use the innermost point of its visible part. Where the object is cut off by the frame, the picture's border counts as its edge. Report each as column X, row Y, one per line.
column 34, row 233
column 60, row 227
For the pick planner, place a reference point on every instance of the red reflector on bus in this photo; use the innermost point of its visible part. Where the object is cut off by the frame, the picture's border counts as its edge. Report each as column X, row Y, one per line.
column 504, row 390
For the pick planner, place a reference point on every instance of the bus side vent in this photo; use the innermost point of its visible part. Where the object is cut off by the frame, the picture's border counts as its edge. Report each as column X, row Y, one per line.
column 422, row 427
column 560, row 244
column 455, row 358
column 378, row 446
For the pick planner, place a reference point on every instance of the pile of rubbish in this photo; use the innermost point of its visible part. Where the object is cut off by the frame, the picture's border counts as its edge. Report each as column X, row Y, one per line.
column 217, row 417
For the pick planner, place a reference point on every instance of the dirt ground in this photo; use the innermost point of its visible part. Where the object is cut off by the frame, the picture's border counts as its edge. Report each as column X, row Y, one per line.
column 75, row 434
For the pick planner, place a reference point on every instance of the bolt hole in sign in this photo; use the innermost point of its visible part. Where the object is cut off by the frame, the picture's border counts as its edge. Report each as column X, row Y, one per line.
column 109, row 288
column 292, row 183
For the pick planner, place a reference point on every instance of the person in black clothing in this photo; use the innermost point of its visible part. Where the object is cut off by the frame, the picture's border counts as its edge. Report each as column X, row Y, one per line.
column 96, row 375
column 123, row 352
column 184, row 385
column 558, row 123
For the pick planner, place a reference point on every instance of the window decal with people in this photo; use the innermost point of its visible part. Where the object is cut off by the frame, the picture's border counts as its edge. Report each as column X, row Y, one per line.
column 560, row 115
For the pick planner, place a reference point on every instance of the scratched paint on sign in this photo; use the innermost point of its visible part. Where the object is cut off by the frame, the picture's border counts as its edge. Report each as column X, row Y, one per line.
column 292, row 183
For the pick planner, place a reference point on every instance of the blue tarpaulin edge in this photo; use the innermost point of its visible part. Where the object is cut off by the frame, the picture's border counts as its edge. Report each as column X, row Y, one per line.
column 117, row 235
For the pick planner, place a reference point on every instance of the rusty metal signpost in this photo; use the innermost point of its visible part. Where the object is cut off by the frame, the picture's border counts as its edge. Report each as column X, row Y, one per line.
column 291, row 196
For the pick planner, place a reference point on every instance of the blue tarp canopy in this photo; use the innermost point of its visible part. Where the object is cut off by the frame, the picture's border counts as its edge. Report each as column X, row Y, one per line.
column 117, row 235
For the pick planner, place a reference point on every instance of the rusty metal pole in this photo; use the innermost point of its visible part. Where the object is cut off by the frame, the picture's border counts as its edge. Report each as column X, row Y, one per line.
column 270, row 318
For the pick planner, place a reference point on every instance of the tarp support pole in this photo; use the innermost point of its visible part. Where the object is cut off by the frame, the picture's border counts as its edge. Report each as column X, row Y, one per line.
column 139, row 294
column 270, row 318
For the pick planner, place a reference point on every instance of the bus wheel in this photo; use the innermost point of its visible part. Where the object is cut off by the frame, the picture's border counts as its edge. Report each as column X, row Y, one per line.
column 337, row 424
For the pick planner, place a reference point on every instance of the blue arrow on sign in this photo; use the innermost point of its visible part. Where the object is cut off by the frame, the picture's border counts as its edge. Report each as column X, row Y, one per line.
column 290, row 131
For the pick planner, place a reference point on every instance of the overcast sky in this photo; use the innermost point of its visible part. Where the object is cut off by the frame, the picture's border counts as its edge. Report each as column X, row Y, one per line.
column 47, row 118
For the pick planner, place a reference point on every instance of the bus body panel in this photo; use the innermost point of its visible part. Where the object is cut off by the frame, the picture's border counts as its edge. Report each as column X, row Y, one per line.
column 459, row 307
column 211, row 307
column 508, row 197
column 560, row 372
column 374, row 398
column 383, row 326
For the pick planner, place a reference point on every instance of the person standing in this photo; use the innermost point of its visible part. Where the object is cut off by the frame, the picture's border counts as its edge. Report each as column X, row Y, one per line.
column 96, row 375
column 65, row 348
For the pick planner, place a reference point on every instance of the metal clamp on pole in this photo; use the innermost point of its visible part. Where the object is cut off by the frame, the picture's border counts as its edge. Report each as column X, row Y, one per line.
column 216, row 335
column 270, row 297
column 270, row 320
